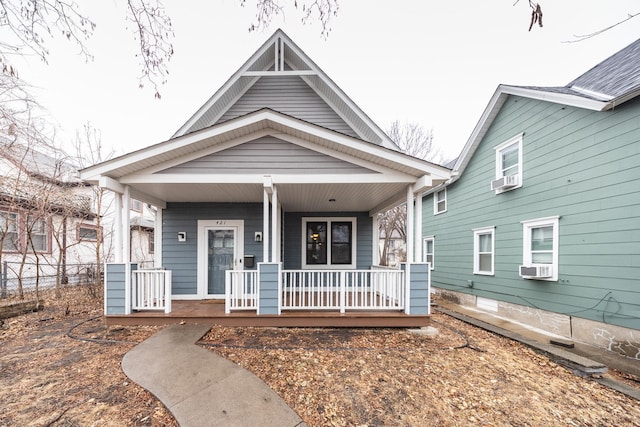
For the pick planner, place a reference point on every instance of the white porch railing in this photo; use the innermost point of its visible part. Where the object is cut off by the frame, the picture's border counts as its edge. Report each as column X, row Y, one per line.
column 241, row 290
column 151, row 290
column 382, row 289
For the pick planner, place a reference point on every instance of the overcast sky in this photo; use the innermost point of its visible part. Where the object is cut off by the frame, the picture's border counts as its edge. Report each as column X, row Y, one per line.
column 432, row 63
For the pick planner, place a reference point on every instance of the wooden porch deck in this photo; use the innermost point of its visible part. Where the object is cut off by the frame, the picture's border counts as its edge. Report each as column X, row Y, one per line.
column 212, row 312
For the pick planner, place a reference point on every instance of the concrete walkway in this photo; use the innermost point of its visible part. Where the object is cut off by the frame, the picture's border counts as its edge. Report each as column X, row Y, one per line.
column 201, row 388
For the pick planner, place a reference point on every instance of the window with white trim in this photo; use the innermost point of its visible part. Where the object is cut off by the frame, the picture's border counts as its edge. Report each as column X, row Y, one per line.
column 440, row 201
column 429, row 248
column 540, row 244
column 508, row 165
column 329, row 242
column 9, row 231
column 484, row 250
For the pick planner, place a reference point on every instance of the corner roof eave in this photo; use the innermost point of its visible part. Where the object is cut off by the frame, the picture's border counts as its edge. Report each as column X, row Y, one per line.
column 264, row 119
column 500, row 96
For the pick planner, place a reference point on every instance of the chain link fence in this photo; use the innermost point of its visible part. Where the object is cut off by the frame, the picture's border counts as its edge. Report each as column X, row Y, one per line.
column 32, row 276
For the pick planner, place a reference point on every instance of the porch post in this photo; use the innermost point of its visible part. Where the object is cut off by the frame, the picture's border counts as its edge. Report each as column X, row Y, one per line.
column 375, row 232
column 418, row 229
column 268, row 189
column 265, row 226
column 118, row 229
column 275, row 253
column 270, row 291
column 126, row 224
column 157, row 238
column 410, row 233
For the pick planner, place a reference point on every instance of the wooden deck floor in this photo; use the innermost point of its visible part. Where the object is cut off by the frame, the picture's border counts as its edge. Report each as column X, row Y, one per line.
column 212, row 312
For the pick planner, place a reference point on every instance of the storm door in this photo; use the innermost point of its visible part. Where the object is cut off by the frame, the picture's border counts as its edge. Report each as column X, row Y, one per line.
column 221, row 250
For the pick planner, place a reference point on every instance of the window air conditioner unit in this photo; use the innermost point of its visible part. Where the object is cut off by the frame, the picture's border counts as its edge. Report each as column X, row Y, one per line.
column 505, row 182
column 536, row 272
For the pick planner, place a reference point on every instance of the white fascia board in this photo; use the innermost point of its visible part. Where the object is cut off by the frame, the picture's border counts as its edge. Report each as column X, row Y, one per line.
column 488, row 115
column 363, row 146
column 557, row 98
column 497, row 101
column 373, row 178
column 172, row 144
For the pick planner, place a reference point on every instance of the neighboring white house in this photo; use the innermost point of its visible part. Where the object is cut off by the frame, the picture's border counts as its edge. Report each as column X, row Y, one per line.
column 52, row 223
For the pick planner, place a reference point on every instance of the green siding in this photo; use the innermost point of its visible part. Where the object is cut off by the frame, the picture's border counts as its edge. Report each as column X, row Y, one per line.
column 581, row 165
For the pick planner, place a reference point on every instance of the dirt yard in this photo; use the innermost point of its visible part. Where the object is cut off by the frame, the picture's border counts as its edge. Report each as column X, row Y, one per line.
column 61, row 367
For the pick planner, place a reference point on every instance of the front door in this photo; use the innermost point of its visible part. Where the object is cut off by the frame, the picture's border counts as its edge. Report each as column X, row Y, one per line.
column 221, row 250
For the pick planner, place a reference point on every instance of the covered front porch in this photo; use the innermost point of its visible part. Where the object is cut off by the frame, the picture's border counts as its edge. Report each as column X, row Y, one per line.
column 270, row 296
column 269, row 216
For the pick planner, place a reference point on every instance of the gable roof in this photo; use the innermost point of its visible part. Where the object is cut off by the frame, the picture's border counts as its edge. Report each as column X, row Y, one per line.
column 610, row 83
column 381, row 179
column 280, row 56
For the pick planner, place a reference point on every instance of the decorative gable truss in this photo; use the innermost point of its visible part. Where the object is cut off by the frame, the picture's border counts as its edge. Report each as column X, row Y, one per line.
column 281, row 77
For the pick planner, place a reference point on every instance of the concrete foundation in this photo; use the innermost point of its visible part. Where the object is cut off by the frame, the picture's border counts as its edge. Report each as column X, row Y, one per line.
column 623, row 341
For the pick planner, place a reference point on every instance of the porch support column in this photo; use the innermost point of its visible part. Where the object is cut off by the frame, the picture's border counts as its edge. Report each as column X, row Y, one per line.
column 275, row 220
column 119, row 232
column 410, row 230
column 265, row 226
column 418, row 229
column 375, row 232
column 157, row 238
column 126, row 224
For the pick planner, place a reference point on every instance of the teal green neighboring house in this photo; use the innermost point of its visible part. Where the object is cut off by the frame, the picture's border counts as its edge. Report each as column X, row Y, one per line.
column 541, row 220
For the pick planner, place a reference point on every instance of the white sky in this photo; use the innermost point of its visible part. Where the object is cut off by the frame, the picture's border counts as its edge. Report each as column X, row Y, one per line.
column 432, row 63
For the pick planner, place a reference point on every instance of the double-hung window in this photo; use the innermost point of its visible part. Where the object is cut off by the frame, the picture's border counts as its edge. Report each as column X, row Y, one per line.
column 9, row 231
column 483, row 250
column 40, row 235
column 508, row 165
column 329, row 242
column 540, row 247
column 429, row 251
column 440, row 201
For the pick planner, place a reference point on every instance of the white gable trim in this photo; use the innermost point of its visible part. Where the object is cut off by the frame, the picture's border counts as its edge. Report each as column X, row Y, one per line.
column 244, row 128
column 278, row 61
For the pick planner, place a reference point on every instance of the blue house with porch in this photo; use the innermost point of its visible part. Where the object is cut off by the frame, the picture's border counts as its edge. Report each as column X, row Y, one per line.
column 267, row 201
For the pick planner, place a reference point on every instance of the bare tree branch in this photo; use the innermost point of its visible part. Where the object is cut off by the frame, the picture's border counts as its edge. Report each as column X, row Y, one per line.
column 322, row 10
column 153, row 31
column 582, row 37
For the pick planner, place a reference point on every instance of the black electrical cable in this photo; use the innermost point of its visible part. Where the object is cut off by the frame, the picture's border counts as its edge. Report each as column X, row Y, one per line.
column 95, row 340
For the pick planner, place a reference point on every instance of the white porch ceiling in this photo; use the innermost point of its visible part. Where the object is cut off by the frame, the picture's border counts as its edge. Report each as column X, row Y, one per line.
column 293, row 197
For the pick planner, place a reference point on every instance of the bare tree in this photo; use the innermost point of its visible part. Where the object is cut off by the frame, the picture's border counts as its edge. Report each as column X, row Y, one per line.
column 90, row 151
column 31, row 24
column 414, row 140
column 321, row 10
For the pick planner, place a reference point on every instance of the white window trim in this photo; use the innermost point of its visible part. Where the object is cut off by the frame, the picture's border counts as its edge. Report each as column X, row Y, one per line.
column 433, row 253
column 498, row 149
column 477, row 232
column 329, row 266
column 435, row 202
column 553, row 221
